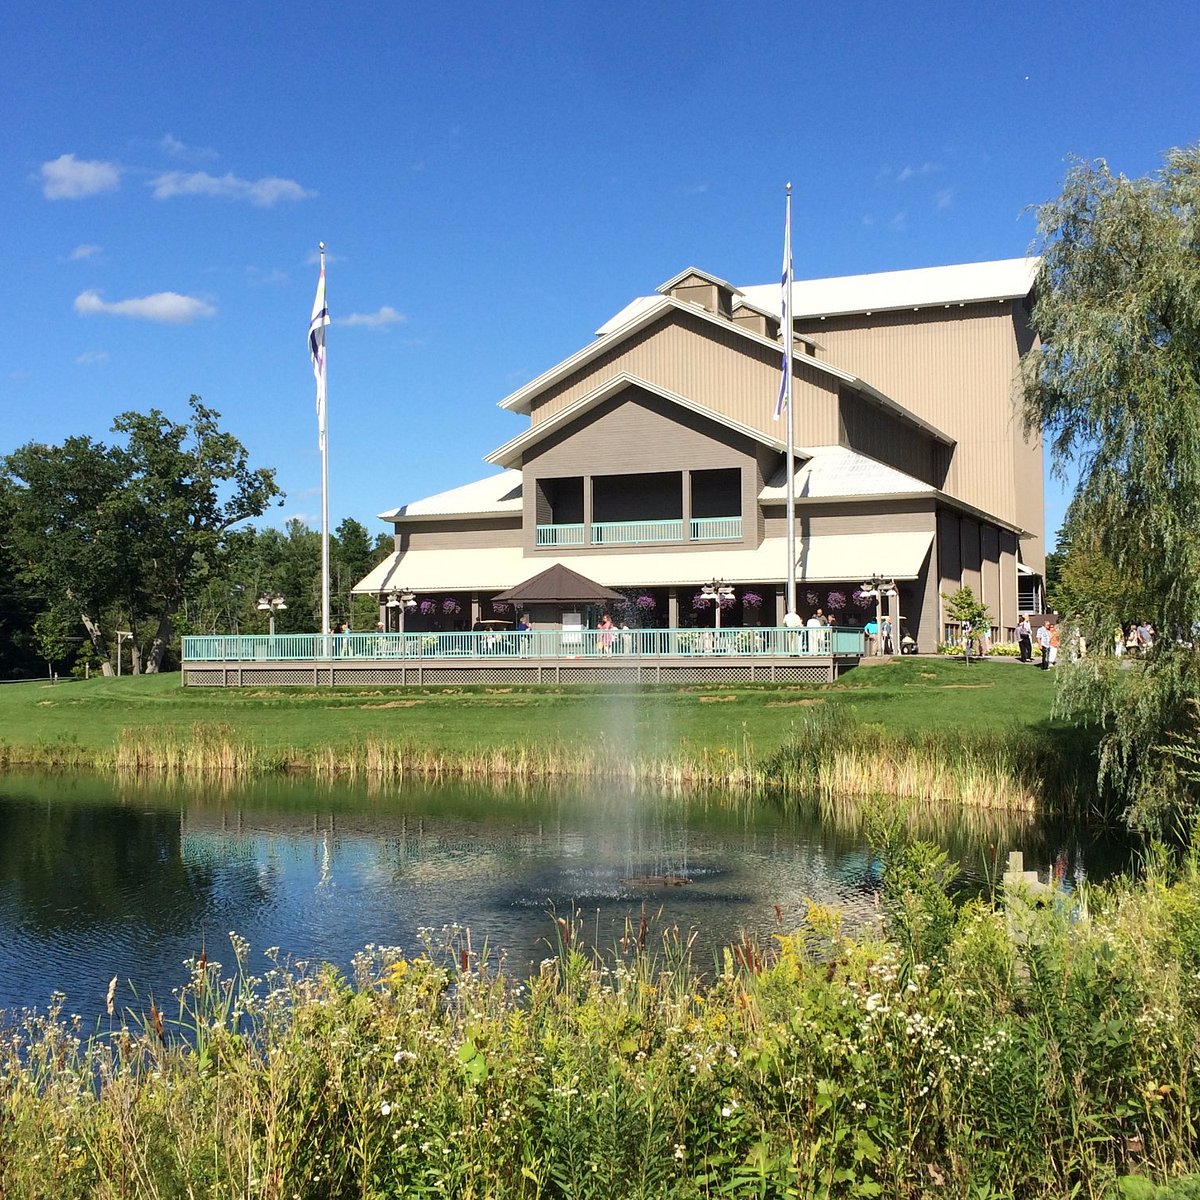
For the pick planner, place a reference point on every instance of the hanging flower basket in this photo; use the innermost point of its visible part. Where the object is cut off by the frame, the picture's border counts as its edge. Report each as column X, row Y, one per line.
column 811, row 597
column 427, row 607
column 498, row 606
column 836, row 601
column 646, row 603
column 751, row 600
column 450, row 606
column 861, row 600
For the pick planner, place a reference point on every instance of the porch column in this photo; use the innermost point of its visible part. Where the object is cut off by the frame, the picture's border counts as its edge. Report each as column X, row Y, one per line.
column 686, row 510
column 475, row 613
column 587, row 510
column 672, row 608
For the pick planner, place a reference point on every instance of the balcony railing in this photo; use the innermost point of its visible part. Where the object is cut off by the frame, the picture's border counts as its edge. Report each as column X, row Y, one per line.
column 560, row 535
column 641, row 533
column 716, row 529
column 636, row 533
column 821, row 642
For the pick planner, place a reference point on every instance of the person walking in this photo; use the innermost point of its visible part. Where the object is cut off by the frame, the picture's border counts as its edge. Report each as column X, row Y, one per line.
column 1054, row 643
column 1025, row 639
column 1043, row 641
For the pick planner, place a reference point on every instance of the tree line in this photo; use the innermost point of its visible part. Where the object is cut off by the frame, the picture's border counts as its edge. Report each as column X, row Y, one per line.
column 151, row 535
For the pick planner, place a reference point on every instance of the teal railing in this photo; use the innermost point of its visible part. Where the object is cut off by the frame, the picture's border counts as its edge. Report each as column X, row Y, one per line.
column 541, row 644
column 636, row 533
column 716, row 529
column 560, row 535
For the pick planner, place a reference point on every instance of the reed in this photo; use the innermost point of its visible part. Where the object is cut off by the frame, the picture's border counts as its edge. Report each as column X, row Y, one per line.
column 824, row 757
column 1032, row 1051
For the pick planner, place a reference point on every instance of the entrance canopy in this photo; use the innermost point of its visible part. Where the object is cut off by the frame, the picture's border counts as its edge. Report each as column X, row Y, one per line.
column 559, row 585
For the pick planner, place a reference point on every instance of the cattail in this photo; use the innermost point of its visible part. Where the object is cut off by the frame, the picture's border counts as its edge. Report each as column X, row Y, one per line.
column 156, row 1020
column 112, row 991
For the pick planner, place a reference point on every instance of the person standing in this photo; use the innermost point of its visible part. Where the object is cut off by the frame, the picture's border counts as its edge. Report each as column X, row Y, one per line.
column 1043, row 641
column 967, row 633
column 1053, row 644
column 1025, row 638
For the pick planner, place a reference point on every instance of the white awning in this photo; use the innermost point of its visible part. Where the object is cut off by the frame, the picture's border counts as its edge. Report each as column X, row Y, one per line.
column 827, row 558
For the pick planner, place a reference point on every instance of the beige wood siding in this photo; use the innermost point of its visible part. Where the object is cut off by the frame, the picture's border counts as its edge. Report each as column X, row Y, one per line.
column 637, row 432
column 949, row 545
column 437, row 534
column 714, row 366
column 870, row 430
column 955, row 367
column 989, row 570
column 870, row 517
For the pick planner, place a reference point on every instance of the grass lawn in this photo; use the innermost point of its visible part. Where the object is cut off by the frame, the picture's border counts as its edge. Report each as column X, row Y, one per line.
column 903, row 695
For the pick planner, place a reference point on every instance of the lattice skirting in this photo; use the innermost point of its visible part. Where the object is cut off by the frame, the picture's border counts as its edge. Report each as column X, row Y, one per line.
column 427, row 674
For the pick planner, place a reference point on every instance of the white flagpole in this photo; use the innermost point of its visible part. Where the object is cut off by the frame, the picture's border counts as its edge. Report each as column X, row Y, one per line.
column 791, row 618
column 325, row 614
column 317, row 349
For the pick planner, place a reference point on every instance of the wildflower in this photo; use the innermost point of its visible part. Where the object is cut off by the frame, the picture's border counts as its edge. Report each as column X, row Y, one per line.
column 385, row 1109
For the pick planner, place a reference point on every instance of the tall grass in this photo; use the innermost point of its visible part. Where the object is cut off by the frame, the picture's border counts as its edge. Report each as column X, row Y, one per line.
column 1030, row 1050
column 829, row 756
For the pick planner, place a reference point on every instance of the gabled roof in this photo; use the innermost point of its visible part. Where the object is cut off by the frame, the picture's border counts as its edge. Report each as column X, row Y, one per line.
column 558, row 585
column 496, row 495
column 640, row 317
column 707, row 276
column 512, row 451
column 643, row 315
column 964, row 283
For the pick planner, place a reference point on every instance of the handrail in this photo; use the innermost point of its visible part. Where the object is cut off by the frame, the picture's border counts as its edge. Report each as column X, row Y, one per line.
column 822, row 641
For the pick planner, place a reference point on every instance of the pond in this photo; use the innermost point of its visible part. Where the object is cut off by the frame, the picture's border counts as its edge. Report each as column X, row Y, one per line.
column 100, row 878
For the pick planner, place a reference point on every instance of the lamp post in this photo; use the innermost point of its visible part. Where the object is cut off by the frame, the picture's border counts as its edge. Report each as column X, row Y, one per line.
column 878, row 587
column 122, row 635
column 398, row 600
column 271, row 603
column 716, row 591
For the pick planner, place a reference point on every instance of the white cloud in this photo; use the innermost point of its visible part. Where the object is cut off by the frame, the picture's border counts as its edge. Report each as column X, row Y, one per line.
column 84, row 253
column 69, row 178
column 92, row 356
column 899, row 223
column 944, row 199
column 262, row 192
column 168, row 308
column 910, row 172
column 387, row 315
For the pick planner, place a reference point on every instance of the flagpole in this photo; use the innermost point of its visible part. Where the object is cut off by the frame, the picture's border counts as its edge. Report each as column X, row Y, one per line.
column 325, row 614
column 791, row 617
column 316, row 350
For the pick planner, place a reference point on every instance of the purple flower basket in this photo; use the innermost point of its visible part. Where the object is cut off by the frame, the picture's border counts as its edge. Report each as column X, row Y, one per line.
column 450, row 606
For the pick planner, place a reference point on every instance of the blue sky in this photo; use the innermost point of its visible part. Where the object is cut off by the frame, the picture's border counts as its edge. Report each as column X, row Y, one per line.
column 494, row 182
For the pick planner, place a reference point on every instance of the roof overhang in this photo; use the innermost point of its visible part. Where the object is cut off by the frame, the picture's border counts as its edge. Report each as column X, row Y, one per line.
column 512, row 452
column 824, row 558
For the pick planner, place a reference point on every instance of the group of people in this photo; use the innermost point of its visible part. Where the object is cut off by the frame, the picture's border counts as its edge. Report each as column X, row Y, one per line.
column 1047, row 637
column 1135, row 638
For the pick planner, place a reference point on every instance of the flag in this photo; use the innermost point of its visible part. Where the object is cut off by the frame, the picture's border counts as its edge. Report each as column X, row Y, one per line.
column 316, row 346
column 785, row 313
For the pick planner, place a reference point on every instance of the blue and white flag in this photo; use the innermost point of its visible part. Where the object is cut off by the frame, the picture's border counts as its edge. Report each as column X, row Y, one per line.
column 316, row 346
column 785, row 313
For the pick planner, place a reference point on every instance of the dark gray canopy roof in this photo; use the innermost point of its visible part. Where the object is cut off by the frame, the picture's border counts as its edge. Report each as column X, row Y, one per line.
column 559, row 585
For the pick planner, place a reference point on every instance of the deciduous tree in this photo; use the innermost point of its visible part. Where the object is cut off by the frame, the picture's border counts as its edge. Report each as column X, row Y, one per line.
column 1115, row 386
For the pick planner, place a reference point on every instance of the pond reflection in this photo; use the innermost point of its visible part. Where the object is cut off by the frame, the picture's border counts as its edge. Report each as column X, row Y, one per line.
column 99, row 878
